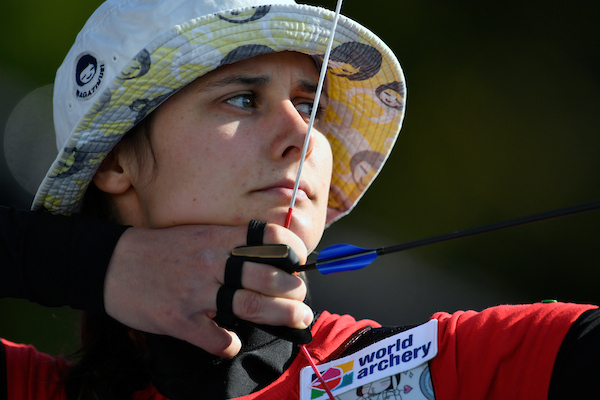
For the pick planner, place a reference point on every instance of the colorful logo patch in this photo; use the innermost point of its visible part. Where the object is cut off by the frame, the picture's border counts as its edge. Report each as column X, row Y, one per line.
column 335, row 377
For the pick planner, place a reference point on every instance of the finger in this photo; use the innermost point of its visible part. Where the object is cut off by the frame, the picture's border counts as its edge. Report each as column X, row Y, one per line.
column 272, row 281
column 207, row 335
column 221, row 237
column 275, row 234
column 260, row 309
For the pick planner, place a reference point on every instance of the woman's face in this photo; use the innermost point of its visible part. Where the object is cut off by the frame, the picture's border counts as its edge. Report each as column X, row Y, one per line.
column 88, row 73
column 228, row 146
column 390, row 98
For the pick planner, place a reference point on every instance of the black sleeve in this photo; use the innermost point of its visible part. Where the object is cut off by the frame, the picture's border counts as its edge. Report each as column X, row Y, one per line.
column 55, row 260
column 577, row 366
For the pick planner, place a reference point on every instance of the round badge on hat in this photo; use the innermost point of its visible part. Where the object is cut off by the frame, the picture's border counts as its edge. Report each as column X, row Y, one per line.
column 89, row 73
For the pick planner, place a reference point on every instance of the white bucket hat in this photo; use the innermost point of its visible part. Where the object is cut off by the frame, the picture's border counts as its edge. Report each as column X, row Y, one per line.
column 132, row 55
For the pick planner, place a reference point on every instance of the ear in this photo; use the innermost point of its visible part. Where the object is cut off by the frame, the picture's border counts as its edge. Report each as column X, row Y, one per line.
column 112, row 176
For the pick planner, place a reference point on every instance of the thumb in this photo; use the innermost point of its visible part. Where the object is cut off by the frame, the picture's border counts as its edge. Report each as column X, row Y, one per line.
column 211, row 338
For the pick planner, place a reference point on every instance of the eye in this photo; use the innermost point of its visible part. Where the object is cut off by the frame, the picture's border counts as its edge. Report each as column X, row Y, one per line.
column 245, row 100
column 306, row 109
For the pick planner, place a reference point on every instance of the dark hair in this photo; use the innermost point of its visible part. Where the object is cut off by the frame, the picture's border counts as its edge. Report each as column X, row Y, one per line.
column 396, row 86
column 113, row 359
column 363, row 57
column 112, row 362
column 82, row 64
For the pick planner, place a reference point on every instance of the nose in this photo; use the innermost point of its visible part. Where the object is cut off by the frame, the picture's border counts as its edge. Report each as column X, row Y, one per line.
column 291, row 128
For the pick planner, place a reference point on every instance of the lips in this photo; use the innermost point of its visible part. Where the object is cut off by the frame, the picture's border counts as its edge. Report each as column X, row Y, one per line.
column 286, row 188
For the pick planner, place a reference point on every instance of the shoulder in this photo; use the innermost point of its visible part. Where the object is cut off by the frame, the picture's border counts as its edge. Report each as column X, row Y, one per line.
column 553, row 318
column 506, row 343
column 32, row 374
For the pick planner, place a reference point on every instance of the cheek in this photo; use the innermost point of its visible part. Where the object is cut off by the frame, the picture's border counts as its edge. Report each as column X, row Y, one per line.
column 383, row 385
column 320, row 174
column 324, row 168
column 323, row 159
column 197, row 179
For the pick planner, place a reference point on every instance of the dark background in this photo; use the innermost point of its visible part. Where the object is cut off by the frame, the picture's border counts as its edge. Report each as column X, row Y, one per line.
column 502, row 121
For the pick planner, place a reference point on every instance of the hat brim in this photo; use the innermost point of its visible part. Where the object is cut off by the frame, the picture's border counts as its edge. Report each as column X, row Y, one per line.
column 362, row 123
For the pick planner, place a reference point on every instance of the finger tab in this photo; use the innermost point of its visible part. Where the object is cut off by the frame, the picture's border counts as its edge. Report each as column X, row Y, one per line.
column 256, row 232
column 233, row 272
column 277, row 255
column 225, row 299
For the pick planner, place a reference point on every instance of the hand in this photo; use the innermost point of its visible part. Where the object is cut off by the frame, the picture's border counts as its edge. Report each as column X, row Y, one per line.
column 165, row 281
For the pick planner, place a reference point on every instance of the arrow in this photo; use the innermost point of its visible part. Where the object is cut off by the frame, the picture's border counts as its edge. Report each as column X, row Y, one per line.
column 346, row 257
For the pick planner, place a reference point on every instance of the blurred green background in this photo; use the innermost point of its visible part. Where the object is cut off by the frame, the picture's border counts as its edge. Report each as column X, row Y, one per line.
column 502, row 121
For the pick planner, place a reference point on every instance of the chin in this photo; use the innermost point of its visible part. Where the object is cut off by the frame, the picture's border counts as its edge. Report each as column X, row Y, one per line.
column 309, row 231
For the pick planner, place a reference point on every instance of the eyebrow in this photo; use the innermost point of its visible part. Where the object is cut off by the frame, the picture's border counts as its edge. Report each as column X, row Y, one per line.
column 307, row 86
column 304, row 85
column 249, row 80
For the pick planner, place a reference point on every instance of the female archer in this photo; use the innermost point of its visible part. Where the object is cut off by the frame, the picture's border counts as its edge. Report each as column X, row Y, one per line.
column 197, row 114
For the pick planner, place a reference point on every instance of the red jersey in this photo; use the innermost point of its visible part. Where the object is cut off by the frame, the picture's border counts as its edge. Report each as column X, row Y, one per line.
column 501, row 352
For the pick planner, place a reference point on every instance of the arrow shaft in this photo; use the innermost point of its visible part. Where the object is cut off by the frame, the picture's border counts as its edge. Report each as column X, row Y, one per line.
column 491, row 227
column 460, row 234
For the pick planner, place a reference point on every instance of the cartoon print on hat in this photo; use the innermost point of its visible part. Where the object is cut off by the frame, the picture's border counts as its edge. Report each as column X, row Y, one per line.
column 232, row 16
column 380, row 105
column 386, row 94
column 361, row 123
column 143, row 58
column 364, row 165
column 355, row 61
column 244, row 52
column 145, row 106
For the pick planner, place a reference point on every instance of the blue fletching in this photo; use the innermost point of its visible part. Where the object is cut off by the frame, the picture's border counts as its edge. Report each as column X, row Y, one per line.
column 344, row 257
